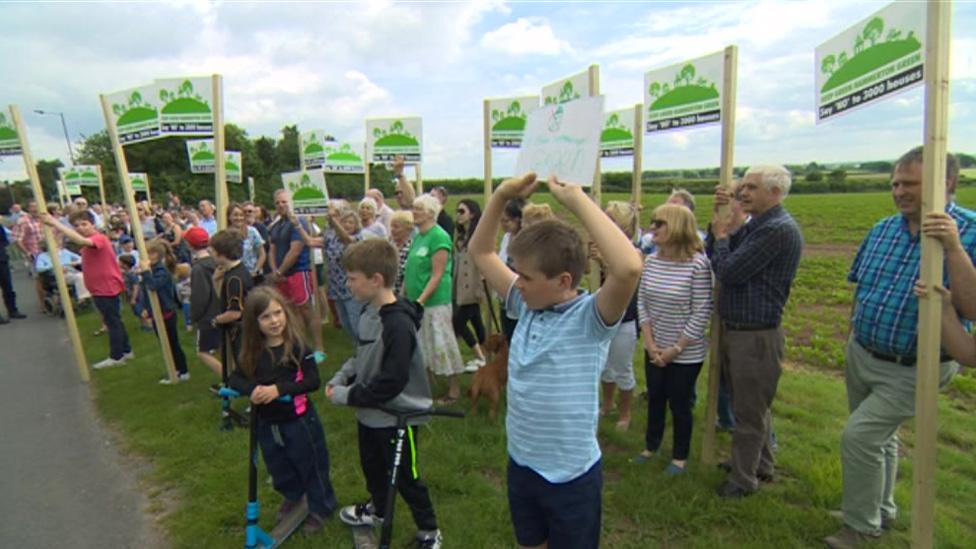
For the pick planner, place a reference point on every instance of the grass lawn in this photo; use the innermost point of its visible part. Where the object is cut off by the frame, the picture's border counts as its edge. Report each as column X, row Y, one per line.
column 197, row 483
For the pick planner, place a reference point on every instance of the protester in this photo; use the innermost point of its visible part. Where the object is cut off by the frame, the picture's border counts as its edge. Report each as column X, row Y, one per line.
column 401, row 236
column 147, row 221
column 204, row 301
column 469, row 289
column 755, row 268
column 680, row 197
column 619, row 370
column 207, row 219
column 388, row 369
column 103, row 279
column 6, row 283
column 443, row 218
column 27, row 235
column 674, row 307
column 276, row 362
column 881, row 351
column 183, row 289
column 405, row 193
column 511, row 222
column 427, row 280
column 559, row 347
column 291, row 267
column 235, row 283
column 252, row 254
column 383, row 212
column 70, row 264
column 372, row 227
column 157, row 276
column 173, row 234
column 534, row 213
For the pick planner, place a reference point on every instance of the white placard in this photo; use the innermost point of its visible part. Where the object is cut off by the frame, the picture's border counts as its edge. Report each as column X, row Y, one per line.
column 617, row 136
column 387, row 138
column 307, row 191
column 233, row 166
column 684, row 94
column 563, row 140
column 567, row 89
column 508, row 116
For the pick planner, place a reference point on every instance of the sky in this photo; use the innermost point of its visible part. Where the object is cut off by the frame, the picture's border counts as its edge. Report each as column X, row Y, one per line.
column 331, row 65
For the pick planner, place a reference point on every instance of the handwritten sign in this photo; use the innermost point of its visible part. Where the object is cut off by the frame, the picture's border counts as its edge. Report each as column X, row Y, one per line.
column 563, row 140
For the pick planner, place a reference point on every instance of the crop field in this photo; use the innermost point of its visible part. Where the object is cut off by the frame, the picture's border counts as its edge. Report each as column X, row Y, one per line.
column 197, row 475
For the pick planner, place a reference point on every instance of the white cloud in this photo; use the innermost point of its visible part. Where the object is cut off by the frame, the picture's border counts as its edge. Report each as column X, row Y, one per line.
column 525, row 36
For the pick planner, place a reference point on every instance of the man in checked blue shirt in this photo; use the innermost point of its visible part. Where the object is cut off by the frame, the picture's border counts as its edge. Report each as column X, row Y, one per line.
column 557, row 355
column 881, row 352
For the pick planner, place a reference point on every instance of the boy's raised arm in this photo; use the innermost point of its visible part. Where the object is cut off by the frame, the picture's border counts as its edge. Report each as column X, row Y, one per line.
column 482, row 244
column 622, row 259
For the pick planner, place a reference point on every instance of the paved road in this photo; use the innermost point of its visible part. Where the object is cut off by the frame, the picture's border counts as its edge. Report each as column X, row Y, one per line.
column 63, row 482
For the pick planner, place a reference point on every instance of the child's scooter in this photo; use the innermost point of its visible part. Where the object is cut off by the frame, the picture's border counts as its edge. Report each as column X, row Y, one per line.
column 364, row 537
column 254, row 536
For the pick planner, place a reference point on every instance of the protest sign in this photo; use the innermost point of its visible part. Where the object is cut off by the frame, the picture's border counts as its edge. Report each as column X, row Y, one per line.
column 86, row 176
column 201, row 155
column 9, row 142
column 388, row 137
column 567, row 89
column 313, row 148
column 617, row 137
column 134, row 114
column 684, row 94
column 185, row 107
column 234, row 165
column 308, row 191
column 508, row 116
column 563, row 140
column 343, row 157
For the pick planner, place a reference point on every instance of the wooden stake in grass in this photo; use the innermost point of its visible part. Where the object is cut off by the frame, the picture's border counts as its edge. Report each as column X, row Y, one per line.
column 52, row 245
column 593, row 78
column 250, row 188
column 486, row 151
column 220, row 169
column 130, row 201
column 726, row 174
column 635, row 182
column 938, row 33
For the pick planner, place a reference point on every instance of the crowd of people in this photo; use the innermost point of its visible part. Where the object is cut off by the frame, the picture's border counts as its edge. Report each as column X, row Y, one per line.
column 405, row 283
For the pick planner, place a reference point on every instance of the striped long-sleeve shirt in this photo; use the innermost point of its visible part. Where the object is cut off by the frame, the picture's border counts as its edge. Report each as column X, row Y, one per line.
column 675, row 298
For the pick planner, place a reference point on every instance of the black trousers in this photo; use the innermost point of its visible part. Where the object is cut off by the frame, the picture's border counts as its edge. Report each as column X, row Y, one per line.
column 7, row 287
column 118, row 338
column 376, row 449
column 297, row 457
column 173, row 335
column 470, row 313
column 671, row 386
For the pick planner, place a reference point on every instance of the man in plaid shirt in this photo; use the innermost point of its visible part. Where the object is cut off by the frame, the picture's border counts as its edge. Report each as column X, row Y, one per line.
column 755, row 268
column 27, row 234
column 882, row 348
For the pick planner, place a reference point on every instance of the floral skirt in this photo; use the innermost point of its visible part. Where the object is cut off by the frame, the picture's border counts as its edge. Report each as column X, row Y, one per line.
column 437, row 341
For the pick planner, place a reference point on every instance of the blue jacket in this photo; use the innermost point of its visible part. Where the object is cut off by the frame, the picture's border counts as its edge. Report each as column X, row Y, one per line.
column 161, row 281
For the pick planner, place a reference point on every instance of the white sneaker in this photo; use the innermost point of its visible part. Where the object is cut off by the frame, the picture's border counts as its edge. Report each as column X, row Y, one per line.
column 128, row 356
column 429, row 540
column 184, row 377
column 473, row 365
column 108, row 363
column 179, row 378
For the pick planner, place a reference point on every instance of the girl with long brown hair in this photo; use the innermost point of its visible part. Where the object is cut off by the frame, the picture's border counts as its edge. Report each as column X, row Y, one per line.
column 276, row 362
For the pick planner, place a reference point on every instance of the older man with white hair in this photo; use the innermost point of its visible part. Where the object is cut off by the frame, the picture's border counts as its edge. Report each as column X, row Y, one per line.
column 755, row 267
column 383, row 211
column 81, row 203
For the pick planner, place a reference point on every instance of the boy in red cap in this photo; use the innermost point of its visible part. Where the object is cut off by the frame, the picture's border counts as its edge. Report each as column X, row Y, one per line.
column 204, row 305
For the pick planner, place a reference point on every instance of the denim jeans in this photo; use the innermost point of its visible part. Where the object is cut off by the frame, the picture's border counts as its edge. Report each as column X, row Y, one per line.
column 118, row 338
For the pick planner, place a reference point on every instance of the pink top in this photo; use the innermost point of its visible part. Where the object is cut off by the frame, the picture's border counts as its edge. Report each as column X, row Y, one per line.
column 101, row 268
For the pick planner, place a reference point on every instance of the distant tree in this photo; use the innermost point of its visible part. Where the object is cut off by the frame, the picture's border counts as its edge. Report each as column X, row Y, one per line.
column 966, row 160
column 813, row 176
column 828, row 64
column 838, row 176
column 873, row 30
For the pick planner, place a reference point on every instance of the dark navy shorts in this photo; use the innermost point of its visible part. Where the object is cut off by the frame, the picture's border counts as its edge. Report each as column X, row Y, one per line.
column 566, row 515
column 208, row 339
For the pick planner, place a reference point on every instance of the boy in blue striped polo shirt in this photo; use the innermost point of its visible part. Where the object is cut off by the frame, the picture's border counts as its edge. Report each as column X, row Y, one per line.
column 556, row 356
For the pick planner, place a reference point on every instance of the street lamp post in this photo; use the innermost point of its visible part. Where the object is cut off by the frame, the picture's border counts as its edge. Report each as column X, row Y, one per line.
column 64, row 126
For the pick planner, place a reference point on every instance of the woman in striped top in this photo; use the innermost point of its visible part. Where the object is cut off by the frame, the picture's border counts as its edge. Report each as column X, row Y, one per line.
column 674, row 303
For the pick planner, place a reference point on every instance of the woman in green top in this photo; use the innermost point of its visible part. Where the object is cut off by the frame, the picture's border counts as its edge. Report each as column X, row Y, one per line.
column 427, row 280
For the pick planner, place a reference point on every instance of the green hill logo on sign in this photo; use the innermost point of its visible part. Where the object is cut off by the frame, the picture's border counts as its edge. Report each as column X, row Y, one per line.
column 9, row 142
column 508, row 118
column 392, row 137
column 136, row 117
column 566, row 89
column 201, row 155
column 185, row 106
column 86, row 176
column 313, row 148
column 686, row 94
column 233, row 166
column 138, row 181
column 344, row 158
column 617, row 137
column 308, row 191
column 878, row 57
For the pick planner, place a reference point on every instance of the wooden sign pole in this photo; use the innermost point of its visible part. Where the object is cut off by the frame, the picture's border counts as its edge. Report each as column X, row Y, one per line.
column 250, row 188
column 367, row 165
column 130, row 202
column 101, row 194
column 148, row 190
column 486, row 118
column 635, row 183
column 594, row 88
column 419, row 183
column 220, row 169
column 62, row 191
column 726, row 174
column 937, row 40
column 52, row 245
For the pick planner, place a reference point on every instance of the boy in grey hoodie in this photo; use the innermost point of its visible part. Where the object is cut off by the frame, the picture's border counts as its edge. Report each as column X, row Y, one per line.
column 388, row 369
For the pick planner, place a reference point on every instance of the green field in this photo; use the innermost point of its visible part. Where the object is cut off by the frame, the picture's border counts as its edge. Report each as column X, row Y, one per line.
column 197, row 478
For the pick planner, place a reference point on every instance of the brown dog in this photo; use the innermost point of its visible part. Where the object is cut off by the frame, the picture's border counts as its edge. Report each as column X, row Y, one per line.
column 490, row 380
